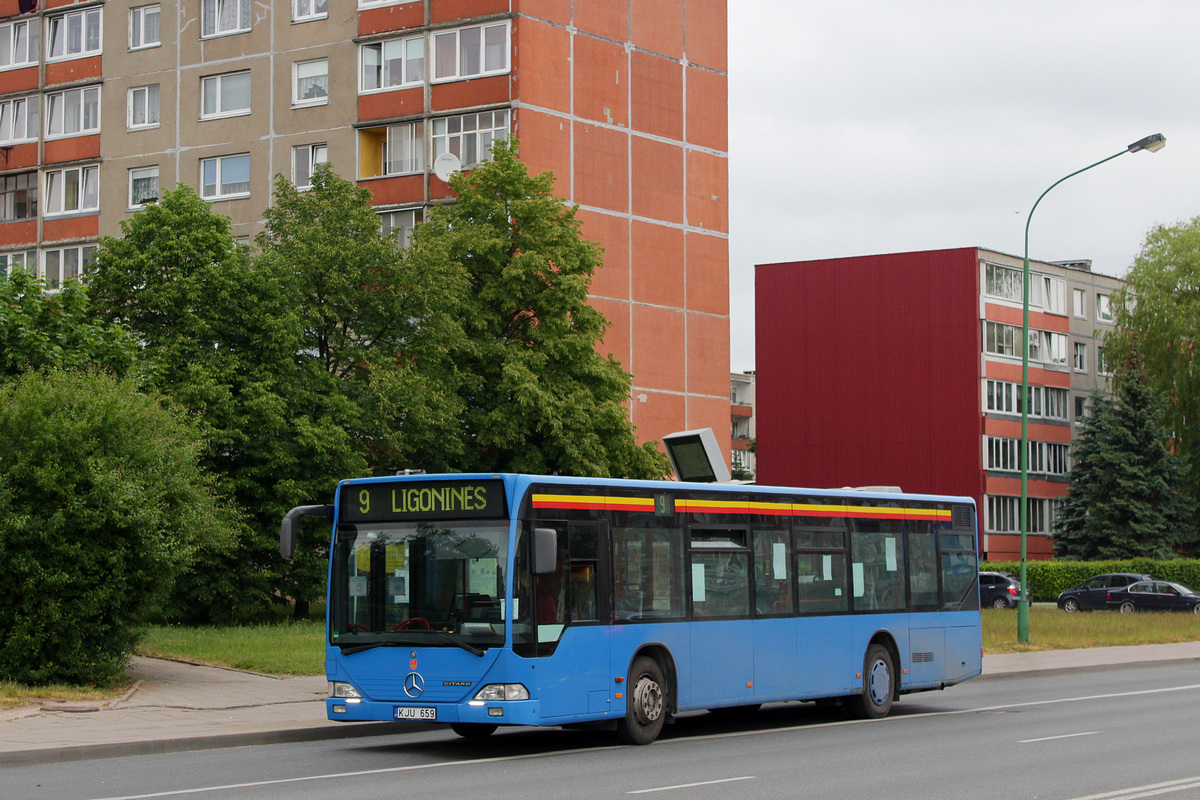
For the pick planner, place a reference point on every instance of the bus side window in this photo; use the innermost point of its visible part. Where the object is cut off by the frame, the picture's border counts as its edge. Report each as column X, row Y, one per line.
column 772, row 583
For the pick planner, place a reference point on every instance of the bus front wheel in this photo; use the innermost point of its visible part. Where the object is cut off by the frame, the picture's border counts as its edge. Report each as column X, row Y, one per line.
column 645, row 703
column 473, row 730
column 875, row 700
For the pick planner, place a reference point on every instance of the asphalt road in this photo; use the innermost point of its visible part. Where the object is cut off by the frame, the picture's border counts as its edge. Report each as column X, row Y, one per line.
column 1113, row 734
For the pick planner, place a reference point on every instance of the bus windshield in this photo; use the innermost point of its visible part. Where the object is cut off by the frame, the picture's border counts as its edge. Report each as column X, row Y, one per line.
column 429, row 583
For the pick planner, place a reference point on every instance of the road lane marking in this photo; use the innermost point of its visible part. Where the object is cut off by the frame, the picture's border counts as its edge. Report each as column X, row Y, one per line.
column 1149, row 790
column 1053, row 738
column 690, row 785
column 662, row 742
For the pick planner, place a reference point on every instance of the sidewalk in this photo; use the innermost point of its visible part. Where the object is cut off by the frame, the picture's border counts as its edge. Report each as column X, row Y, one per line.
column 175, row 707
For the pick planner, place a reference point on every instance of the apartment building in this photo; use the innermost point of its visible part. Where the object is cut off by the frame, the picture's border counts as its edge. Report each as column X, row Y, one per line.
column 743, row 429
column 105, row 103
column 904, row 369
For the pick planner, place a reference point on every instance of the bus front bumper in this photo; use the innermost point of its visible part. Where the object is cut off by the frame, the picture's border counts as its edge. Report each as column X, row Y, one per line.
column 510, row 712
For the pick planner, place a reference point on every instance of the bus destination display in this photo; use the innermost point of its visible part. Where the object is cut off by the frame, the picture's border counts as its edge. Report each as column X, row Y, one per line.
column 412, row 500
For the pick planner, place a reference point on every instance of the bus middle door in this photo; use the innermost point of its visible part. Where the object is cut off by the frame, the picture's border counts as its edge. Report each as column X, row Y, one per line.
column 722, row 641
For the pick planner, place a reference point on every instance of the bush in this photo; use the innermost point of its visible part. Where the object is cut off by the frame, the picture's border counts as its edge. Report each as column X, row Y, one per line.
column 101, row 506
column 1047, row 579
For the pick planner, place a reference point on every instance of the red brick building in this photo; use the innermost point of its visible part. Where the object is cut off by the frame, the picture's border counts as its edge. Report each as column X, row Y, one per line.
column 905, row 369
column 102, row 102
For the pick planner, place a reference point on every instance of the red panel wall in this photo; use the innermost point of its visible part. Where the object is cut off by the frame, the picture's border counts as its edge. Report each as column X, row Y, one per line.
column 868, row 372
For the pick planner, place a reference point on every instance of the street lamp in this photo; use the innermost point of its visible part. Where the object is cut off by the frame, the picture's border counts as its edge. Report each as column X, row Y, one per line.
column 1152, row 143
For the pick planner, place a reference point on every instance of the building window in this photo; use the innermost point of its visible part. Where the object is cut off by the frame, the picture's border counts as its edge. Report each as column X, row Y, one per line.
column 73, row 113
column 310, row 82
column 1079, row 301
column 470, row 52
column 1049, row 402
column 392, row 150
column 1047, row 348
column 19, row 44
column 469, row 136
column 1004, row 282
column 18, row 196
column 64, row 263
column 1002, row 397
column 1104, row 308
column 72, row 190
column 1102, row 365
column 400, row 223
column 304, row 10
column 1003, row 515
column 143, row 186
column 397, row 62
column 1003, row 454
column 19, row 120
column 225, row 177
column 304, row 162
column 143, row 106
column 1080, row 360
column 1001, row 339
column 18, row 259
column 1080, row 409
column 74, row 35
column 144, row 28
column 1048, row 293
column 225, row 95
column 224, row 16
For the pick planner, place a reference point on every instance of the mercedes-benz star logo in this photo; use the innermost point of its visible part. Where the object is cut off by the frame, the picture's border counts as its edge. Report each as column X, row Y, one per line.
column 414, row 685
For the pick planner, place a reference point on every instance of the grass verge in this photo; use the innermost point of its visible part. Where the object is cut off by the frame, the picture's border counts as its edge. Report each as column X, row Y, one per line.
column 1052, row 629
column 292, row 648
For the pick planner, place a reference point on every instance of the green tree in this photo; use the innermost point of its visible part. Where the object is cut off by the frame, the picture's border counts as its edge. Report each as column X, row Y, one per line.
column 1158, row 314
column 535, row 394
column 1124, row 499
column 40, row 329
column 102, row 505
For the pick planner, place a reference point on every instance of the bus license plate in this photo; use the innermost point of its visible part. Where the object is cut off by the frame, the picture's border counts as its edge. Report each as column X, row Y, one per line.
column 424, row 714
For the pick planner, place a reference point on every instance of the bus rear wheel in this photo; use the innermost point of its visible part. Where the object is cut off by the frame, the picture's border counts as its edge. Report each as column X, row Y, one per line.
column 473, row 730
column 645, row 703
column 875, row 700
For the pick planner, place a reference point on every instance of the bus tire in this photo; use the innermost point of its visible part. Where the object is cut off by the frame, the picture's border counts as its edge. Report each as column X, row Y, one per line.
column 473, row 730
column 875, row 700
column 645, row 703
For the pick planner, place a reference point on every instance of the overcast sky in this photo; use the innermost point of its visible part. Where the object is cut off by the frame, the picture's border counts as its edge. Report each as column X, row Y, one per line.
column 875, row 126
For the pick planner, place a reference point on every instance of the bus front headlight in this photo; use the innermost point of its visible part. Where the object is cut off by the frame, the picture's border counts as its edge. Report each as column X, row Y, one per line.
column 342, row 689
column 502, row 691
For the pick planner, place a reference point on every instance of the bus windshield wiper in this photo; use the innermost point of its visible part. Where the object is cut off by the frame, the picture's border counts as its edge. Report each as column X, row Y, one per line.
column 470, row 648
column 351, row 649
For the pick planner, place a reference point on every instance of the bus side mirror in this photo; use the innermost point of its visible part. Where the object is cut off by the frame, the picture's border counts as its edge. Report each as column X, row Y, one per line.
column 287, row 530
column 545, row 551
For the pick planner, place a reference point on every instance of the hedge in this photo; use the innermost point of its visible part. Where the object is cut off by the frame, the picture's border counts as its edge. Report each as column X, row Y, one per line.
column 1048, row 578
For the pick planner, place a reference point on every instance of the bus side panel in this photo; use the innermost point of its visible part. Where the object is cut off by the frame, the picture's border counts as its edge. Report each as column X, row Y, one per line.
column 964, row 647
column 575, row 681
column 826, row 661
column 626, row 640
column 776, row 659
column 722, row 663
column 926, row 656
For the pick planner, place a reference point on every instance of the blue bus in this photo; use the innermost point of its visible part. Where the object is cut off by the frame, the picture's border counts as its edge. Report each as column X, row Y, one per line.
column 482, row 600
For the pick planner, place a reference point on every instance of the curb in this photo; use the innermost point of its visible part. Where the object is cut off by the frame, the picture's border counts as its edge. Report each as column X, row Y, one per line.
column 1112, row 667
column 48, row 755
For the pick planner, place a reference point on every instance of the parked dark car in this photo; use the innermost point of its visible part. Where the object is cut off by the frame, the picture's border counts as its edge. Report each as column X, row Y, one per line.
column 1093, row 593
column 1154, row 596
column 998, row 590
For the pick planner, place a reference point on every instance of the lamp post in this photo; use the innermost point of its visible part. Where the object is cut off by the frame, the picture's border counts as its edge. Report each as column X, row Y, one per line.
column 1152, row 143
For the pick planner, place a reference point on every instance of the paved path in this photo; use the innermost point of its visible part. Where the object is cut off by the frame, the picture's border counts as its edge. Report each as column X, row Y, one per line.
column 176, row 706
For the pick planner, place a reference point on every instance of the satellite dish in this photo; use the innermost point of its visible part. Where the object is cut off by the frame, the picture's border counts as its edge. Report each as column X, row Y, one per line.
column 446, row 165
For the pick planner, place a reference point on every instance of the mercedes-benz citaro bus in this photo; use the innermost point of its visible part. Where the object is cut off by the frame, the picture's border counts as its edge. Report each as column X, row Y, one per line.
column 485, row 600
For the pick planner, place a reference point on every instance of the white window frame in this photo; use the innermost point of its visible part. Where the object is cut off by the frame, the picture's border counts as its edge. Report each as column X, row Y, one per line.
column 1102, row 366
column 305, row 159
column 306, row 10
column 220, row 165
column 8, row 197
column 408, row 217
column 22, row 38
column 1003, row 514
column 1003, row 454
column 1001, row 340
column 1079, row 302
column 1104, row 311
column 80, row 34
column 391, row 70
column 81, row 96
column 1079, row 357
column 138, row 17
column 145, row 99
column 84, row 255
column 141, row 173
column 217, row 85
column 20, row 119
column 299, row 67
column 18, row 259
column 216, row 21
column 457, row 54
column 85, row 190
column 462, row 135
column 1003, row 283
